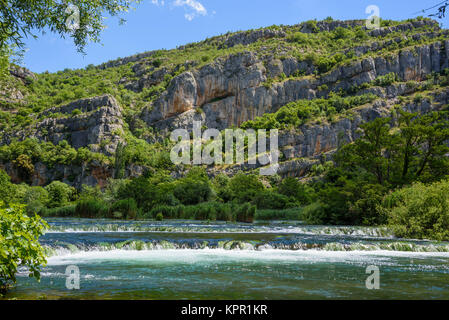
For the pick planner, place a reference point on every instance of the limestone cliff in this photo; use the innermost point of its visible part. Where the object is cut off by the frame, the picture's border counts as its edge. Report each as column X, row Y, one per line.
column 225, row 81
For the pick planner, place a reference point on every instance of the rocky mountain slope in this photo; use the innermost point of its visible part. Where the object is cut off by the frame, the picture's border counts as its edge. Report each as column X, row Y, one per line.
column 74, row 123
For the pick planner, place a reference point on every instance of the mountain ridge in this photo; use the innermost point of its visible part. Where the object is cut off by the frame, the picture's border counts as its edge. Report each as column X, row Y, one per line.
column 237, row 79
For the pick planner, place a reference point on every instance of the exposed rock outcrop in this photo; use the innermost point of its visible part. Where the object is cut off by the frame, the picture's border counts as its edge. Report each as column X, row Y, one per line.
column 248, row 37
column 231, row 91
column 95, row 123
column 22, row 73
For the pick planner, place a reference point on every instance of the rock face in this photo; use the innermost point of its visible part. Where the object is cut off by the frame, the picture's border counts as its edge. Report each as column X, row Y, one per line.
column 98, row 126
column 236, row 88
column 95, row 123
column 22, row 73
column 312, row 140
column 305, row 146
column 231, row 91
column 10, row 94
column 91, row 174
column 246, row 38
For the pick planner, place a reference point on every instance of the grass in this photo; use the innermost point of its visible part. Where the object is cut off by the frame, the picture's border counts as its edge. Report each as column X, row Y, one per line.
column 286, row 214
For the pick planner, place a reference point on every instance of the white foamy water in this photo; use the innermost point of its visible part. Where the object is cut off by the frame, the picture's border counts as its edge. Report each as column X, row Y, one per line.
column 220, row 255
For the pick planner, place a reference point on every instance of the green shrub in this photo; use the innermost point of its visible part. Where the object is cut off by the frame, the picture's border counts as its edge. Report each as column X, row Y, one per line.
column 127, row 208
column 296, row 113
column 6, row 187
column 159, row 217
column 302, row 193
column 314, row 213
column 59, row 194
column 168, row 212
column 386, row 80
column 19, row 245
column 286, row 214
column 76, row 112
column 191, row 191
column 271, row 200
column 246, row 213
column 91, row 209
column 312, row 25
column 419, row 211
column 63, row 212
column 244, row 188
column 299, row 37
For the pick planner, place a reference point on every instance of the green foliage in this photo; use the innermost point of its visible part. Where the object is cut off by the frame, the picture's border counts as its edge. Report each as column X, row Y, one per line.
column 300, row 192
column 314, row 213
column 272, row 200
column 246, row 213
column 68, row 211
column 91, row 208
column 59, row 194
column 19, row 245
column 386, row 80
column 24, row 165
column 419, row 211
column 29, row 151
column 415, row 152
column 206, row 211
column 6, row 187
column 312, row 25
column 141, row 190
column 297, row 113
column 22, row 20
column 380, row 160
column 285, row 214
column 194, row 188
column 127, row 208
column 342, row 33
column 244, row 188
column 35, row 199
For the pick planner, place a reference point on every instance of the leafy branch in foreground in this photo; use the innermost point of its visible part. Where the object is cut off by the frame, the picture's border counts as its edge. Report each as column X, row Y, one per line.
column 21, row 18
column 19, row 246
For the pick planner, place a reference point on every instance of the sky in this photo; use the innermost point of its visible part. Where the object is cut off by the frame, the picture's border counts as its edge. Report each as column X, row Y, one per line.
column 166, row 24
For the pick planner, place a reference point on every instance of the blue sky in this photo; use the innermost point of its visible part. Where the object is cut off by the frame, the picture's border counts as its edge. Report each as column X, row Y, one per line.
column 165, row 24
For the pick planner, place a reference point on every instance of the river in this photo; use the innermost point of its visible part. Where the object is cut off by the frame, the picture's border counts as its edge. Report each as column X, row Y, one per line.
column 214, row 260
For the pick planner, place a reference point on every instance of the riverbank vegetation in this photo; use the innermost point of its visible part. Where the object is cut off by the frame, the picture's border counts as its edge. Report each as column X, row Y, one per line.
column 375, row 180
column 19, row 246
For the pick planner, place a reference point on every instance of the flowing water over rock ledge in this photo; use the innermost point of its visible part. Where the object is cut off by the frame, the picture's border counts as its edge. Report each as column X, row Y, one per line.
column 214, row 260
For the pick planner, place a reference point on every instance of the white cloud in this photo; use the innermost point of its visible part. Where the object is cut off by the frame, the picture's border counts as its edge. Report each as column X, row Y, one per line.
column 158, row 2
column 193, row 8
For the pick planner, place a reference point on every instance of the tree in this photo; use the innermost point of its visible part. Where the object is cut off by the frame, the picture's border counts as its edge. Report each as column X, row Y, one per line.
column 25, row 166
column 6, row 187
column 141, row 190
column 19, row 245
column 81, row 20
column 119, row 161
column 423, row 145
column 419, row 211
column 416, row 151
column 35, row 199
column 291, row 187
column 59, row 194
column 194, row 188
column 244, row 188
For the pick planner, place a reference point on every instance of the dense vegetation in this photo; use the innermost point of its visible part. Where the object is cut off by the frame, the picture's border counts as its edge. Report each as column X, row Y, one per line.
column 395, row 174
column 356, row 188
column 19, row 246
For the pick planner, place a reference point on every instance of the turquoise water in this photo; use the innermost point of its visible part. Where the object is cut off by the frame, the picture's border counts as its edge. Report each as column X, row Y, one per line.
column 198, row 260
